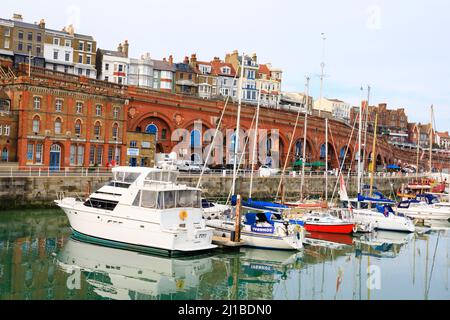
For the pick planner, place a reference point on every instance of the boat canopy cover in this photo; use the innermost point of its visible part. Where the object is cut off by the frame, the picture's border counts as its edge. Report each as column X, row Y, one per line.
column 393, row 167
column 428, row 198
column 385, row 209
column 380, row 198
column 261, row 205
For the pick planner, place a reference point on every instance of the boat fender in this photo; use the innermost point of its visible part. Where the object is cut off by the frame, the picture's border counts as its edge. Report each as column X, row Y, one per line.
column 281, row 231
column 355, row 228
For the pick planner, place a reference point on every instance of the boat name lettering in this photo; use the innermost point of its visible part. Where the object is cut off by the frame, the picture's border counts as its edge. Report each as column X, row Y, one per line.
column 266, row 230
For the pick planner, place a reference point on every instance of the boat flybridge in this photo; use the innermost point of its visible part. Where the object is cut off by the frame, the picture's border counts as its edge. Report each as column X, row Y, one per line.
column 141, row 209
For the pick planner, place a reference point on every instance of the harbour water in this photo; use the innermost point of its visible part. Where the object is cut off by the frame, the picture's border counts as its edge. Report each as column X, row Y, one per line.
column 40, row 261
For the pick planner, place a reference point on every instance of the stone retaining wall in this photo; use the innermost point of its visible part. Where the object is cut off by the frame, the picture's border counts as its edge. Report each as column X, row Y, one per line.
column 30, row 192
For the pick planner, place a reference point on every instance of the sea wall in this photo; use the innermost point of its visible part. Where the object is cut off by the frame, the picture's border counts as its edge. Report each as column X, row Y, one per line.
column 40, row 192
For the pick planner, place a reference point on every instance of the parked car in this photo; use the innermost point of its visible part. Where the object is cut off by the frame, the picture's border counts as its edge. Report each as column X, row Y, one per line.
column 266, row 171
column 188, row 166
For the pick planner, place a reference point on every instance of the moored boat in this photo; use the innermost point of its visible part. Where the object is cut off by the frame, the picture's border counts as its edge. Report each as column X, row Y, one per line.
column 144, row 210
column 259, row 230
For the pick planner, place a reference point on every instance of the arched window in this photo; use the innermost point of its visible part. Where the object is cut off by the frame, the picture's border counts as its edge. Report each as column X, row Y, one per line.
column 342, row 153
column 233, row 143
column 55, row 148
column 115, row 131
column 323, row 151
column 152, row 129
column 78, row 127
column 36, row 124
column 195, row 139
column 58, row 126
column 97, row 129
column 5, row 154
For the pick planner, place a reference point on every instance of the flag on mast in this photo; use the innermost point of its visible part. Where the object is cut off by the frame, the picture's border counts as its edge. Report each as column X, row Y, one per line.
column 343, row 189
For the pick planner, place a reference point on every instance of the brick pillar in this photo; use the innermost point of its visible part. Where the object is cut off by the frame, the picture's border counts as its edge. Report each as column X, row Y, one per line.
column 46, row 152
column 106, row 131
column 123, row 157
column 66, row 156
column 24, row 126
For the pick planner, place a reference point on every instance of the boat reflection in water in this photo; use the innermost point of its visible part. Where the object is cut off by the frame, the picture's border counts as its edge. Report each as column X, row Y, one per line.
column 333, row 241
column 126, row 275
column 385, row 244
column 123, row 275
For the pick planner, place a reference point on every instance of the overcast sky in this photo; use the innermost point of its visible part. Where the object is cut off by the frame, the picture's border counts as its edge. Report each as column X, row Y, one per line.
column 400, row 48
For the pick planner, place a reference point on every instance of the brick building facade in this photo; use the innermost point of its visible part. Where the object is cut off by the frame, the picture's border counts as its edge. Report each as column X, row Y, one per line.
column 68, row 121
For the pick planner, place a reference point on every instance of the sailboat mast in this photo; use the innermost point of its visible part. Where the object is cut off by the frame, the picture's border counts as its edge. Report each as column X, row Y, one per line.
column 366, row 120
column 304, row 137
column 374, row 159
column 326, row 160
column 359, row 147
column 431, row 140
column 255, row 143
column 238, row 124
column 322, row 75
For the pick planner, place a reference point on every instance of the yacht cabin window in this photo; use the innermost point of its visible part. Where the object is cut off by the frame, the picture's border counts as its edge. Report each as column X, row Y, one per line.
column 164, row 176
column 137, row 200
column 170, row 199
column 127, row 177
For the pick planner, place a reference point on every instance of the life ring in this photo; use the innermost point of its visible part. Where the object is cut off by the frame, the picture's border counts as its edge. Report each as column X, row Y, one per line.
column 183, row 215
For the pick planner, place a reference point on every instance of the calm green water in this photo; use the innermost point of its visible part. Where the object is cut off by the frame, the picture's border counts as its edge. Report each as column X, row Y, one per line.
column 39, row 261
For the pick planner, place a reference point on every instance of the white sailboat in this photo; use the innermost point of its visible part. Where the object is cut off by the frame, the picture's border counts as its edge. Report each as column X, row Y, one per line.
column 258, row 230
column 426, row 206
column 387, row 219
column 141, row 209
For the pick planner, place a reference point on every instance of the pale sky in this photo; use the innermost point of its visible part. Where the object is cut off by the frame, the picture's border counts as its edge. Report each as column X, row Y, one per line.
column 400, row 48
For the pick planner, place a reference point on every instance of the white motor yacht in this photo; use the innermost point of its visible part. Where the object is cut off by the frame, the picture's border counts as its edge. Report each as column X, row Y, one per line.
column 426, row 207
column 141, row 209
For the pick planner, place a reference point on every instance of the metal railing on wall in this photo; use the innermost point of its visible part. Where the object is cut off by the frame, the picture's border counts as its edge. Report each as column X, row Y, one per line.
column 15, row 172
column 39, row 171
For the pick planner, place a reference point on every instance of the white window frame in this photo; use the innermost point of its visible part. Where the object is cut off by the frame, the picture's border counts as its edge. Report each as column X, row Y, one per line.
column 37, row 103
column 79, row 107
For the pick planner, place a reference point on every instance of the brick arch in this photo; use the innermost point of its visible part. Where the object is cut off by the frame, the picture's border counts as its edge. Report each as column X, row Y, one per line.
column 138, row 121
column 350, row 157
column 311, row 152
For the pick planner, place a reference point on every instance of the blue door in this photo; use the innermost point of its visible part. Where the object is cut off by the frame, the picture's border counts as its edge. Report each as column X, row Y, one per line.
column 133, row 162
column 55, row 157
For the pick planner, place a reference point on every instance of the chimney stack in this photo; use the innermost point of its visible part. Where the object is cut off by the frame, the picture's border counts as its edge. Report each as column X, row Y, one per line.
column 126, row 46
column 186, row 60
column 70, row 29
column 119, row 48
column 171, row 60
column 254, row 57
column 42, row 24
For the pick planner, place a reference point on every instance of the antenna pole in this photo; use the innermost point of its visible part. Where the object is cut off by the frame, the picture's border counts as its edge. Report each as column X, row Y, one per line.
column 304, row 137
column 322, row 75
column 359, row 146
column 238, row 124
